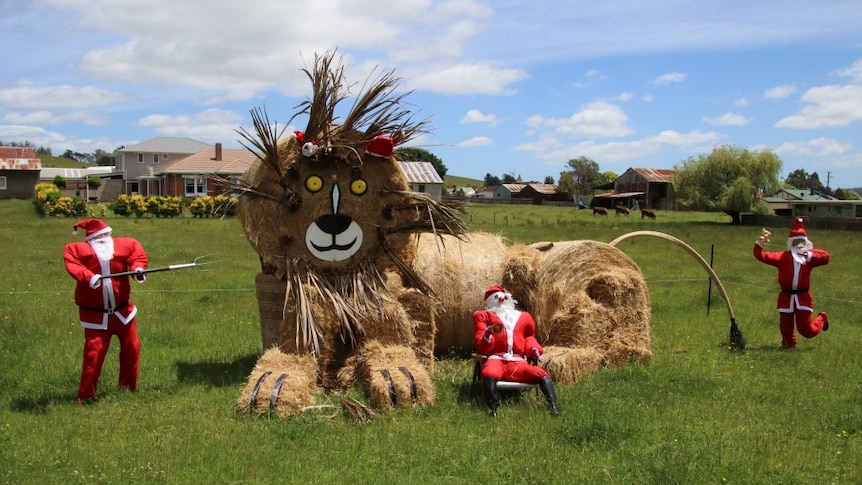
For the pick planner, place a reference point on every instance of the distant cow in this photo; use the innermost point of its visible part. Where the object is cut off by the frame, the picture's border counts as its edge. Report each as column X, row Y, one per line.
column 647, row 213
column 621, row 209
column 600, row 211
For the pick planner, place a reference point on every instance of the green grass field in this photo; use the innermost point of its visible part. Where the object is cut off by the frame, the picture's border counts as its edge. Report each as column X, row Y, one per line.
column 697, row 414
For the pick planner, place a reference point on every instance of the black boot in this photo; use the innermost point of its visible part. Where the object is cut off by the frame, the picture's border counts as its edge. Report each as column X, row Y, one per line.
column 547, row 388
column 489, row 387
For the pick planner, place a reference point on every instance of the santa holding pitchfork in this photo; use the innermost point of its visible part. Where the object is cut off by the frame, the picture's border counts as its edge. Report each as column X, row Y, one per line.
column 795, row 302
column 102, row 296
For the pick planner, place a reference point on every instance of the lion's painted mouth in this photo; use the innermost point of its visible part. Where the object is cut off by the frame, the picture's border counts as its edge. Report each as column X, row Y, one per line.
column 333, row 237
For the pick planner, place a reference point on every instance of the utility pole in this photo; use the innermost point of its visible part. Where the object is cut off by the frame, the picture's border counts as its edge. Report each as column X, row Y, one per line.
column 828, row 178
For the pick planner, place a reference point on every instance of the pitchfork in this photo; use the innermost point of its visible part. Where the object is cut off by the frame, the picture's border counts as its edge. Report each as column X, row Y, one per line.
column 199, row 261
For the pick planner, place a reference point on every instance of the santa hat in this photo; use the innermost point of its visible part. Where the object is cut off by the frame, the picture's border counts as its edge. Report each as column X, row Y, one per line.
column 798, row 231
column 493, row 290
column 93, row 228
column 381, row 146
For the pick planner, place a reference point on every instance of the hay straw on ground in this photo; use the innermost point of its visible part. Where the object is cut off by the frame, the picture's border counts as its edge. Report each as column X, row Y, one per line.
column 459, row 272
column 297, row 390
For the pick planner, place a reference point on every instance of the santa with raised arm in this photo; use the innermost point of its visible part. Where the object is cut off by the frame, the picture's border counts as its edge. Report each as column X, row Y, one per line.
column 104, row 307
column 507, row 336
column 795, row 302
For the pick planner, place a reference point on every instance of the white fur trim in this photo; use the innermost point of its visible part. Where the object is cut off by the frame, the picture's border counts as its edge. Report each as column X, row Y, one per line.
column 95, row 281
column 104, row 230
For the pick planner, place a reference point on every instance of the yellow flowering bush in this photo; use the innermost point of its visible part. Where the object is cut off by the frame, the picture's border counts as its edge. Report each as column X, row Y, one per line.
column 156, row 205
column 49, row 201
column 217, row 206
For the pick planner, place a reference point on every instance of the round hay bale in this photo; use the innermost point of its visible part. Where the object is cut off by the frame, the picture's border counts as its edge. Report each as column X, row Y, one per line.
column 568, row 366
column 591, row 294
column 459, row 272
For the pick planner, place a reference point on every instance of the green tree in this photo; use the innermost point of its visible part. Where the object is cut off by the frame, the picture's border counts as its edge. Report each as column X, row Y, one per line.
column 509, row 178
column 847, row 194
column 585, row 174
column 103, row 158
column 491, row 180
column 566, row 184
column 607, row 177
column 549, row 179
column 416, row 154
column 727, row 180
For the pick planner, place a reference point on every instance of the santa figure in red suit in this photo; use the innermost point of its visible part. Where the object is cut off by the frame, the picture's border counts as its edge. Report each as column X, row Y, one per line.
column 103, row 303
column 507, row 337
column 795, row 302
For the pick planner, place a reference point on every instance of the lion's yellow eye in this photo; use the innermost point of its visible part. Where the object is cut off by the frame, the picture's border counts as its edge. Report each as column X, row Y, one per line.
column 313, row 183
column 358, row 187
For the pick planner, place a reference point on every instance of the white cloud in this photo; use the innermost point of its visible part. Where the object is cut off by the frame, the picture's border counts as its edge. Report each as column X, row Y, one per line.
column 57, row 97
column 476, row 116
column 741, row 102
column 854, row 71
column 827, row 107
column 595, row 120
column 476, row 141
column 212, row 125
column 462, row 78
column 669, row 78
column 728, row 119
column 779, row 92
column 815, row 147
column 44, row 117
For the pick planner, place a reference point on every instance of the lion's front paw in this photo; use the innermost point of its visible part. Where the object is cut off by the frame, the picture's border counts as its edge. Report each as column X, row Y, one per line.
column 280, row 382
column 395, row 377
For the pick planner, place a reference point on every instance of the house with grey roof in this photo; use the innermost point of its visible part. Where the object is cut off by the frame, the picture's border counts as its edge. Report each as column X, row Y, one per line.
column 138, row 163
column 422, row 177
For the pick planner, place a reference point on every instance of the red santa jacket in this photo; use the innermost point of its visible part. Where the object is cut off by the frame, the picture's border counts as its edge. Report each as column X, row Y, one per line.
column 793, row 277
column 513, row 341
column 112, row 296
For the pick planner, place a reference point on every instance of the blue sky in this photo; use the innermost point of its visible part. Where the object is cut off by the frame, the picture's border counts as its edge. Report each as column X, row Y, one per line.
column 511, row 87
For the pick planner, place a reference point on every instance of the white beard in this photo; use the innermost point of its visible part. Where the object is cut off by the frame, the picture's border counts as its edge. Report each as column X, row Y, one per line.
column 104, row 248
column 800, row 251
column 506, row 310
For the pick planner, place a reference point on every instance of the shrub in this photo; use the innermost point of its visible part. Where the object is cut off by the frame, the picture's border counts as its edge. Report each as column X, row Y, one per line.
column 94, row 182
column 218, row 206
column 49, row 201
column 60, row 181
column 155, row 205
column 69, row 206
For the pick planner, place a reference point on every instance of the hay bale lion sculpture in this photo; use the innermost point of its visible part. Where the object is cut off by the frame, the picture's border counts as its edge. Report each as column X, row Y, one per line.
column 362, row 281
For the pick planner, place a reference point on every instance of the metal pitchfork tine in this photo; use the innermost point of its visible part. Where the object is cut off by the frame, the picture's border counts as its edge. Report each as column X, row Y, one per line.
column 199, row 261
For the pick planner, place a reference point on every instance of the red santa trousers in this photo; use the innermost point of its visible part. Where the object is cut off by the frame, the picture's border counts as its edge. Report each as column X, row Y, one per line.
column 96, row 344
column 807, row 326
column 513, row 370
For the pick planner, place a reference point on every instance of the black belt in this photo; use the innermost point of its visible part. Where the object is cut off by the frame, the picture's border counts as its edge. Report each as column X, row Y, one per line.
column 795, row 292
column 117, row 308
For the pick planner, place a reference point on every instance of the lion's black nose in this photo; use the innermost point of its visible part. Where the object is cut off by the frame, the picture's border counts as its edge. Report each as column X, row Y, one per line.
column 333, row 223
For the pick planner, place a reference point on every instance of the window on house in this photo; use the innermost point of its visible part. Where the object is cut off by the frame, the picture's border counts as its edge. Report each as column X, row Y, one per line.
column 164, row 156
column 195, row 186
column 155, row 158
column 421, row 187
column 140, row 158
column 3, row 183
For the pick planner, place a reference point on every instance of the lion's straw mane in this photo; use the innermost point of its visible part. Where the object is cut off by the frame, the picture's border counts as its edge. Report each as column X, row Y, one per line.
column 274, row 204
